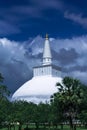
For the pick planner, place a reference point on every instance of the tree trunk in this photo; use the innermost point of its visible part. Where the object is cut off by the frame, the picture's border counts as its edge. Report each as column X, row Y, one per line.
column 71, row 123
column 74, row 127
column 20, row 127
column 61, row 126
column 37, row 125
column 14, row 127
column 49, row 124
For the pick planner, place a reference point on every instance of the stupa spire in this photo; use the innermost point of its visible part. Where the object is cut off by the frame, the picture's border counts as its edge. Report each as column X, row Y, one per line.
column 47, row 57
column 46, row 36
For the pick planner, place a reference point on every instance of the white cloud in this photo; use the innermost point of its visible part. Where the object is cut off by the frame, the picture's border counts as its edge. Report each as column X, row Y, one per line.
column 17, row 59
column 77, row 18
column 80, row 75
column 78, row 43
column 12, row 49
column 13, row 63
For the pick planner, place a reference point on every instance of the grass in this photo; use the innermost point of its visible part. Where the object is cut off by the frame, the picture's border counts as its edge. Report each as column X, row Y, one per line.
column 59, row 128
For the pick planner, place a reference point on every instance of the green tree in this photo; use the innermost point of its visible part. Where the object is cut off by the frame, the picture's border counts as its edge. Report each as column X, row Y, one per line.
column 83, row 109
column 23, row 112
column 43, row 114
column 70, row 95
column 18, row 113
column 4, row 93
column 56, row 115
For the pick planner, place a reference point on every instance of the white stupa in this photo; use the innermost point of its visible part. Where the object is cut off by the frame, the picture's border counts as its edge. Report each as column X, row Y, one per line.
column 43, row 84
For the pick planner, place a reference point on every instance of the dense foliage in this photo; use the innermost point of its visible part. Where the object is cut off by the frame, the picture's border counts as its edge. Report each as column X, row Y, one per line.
column 69, row 99
column 4, row 93
column 69, row 104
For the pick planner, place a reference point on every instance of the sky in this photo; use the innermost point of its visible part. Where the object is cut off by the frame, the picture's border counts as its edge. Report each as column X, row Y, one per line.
column 23, row 25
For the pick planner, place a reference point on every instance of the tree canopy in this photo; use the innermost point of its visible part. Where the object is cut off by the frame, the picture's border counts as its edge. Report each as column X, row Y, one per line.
column 68, row 104
column 69, row 98
column 4, row 92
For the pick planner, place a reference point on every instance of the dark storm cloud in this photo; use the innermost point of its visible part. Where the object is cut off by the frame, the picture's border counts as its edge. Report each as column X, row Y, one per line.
column 28, row 18
column 12, row 65
column 66, row 57
column 16, row 63
column 18, row 59
column 75, row 67
column 17, row 73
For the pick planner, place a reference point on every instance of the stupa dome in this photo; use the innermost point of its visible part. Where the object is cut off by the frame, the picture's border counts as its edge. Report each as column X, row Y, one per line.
column 43, row 84
column 38, row 89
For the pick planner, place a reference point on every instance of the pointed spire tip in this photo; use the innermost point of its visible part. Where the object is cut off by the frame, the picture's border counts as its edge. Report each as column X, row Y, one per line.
column 46, row 36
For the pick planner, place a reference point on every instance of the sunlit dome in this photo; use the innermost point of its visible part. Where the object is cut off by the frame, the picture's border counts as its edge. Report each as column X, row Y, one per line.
column 38, row 89
column 43, row 84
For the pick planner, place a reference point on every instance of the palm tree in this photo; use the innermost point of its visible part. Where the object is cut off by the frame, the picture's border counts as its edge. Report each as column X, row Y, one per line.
column 4, row 92
column 69, row 96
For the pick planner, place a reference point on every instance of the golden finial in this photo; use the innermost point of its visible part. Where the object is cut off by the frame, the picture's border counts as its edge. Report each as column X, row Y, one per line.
column 46, row 36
